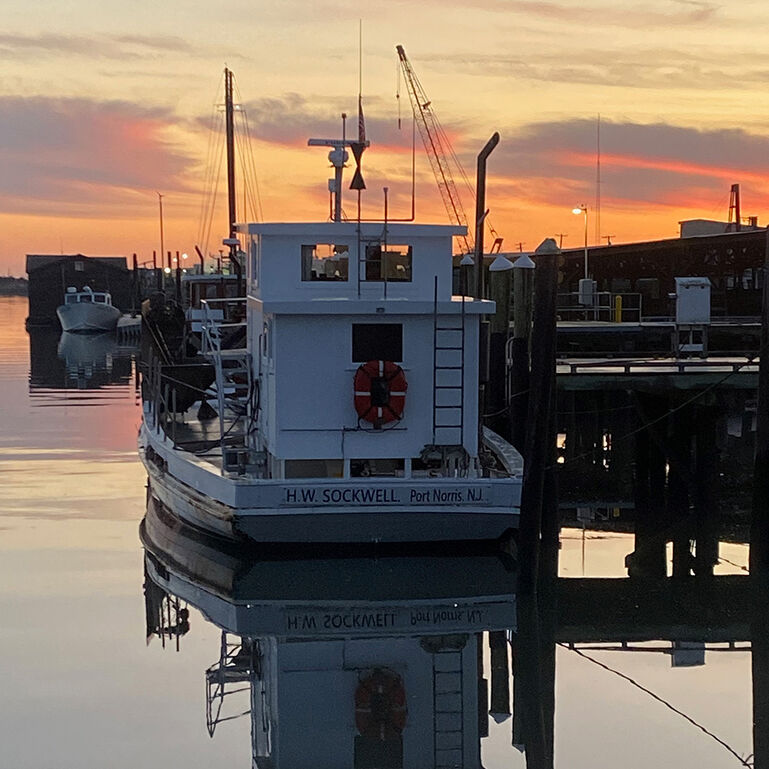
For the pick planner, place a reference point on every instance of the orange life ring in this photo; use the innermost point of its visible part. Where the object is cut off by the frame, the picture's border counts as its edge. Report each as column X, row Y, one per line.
column 380, row 705
column 380, row 392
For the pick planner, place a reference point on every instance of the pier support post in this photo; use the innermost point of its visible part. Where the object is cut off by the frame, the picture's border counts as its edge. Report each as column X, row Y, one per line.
column 679, row 473
column 500, row 676
column 759, row 545
column 538, row 528
column 706, row 506
column 523, row 275
column 648, row 559
column 500, row 290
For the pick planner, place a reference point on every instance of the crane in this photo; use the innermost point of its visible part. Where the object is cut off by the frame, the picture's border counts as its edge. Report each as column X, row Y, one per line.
column 439, row 153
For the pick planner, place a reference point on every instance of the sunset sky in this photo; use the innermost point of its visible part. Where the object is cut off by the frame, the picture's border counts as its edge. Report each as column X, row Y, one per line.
column 106, row 104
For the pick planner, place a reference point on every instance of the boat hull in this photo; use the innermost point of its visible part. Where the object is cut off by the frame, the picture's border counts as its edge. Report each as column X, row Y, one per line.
column 273, row 523
column 88, row 317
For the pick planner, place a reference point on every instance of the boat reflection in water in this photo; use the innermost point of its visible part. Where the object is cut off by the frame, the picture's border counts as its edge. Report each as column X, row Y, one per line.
column 349, row 661
column 70, row 361
column 380, row 662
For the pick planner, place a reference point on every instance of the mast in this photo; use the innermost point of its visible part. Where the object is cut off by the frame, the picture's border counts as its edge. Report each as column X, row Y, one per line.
column 229, row 115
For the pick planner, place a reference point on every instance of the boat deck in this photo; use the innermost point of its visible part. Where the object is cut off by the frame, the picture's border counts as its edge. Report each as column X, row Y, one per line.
column 200, row 436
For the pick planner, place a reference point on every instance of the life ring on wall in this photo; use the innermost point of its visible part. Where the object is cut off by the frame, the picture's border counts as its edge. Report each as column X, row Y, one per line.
column 380, row 705
column 380, row 392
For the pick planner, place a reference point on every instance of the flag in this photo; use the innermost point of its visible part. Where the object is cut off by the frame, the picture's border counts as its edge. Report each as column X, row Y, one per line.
column 361, row 122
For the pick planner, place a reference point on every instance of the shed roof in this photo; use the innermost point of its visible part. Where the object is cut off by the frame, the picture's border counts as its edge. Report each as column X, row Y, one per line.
column 36, row 261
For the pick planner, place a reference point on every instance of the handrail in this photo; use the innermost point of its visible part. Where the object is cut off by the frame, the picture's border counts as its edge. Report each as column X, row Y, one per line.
column 598, row 307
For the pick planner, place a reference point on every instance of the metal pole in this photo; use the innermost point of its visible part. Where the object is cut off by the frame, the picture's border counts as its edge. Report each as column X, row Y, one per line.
column 160, row 204
column 585, row 211
column 480, row 208
column 230, row 130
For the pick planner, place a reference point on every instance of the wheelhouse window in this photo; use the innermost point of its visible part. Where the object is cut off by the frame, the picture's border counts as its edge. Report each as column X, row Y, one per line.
column 388, row 263
column 99, row 298
column 325, row 261
column 377, row 341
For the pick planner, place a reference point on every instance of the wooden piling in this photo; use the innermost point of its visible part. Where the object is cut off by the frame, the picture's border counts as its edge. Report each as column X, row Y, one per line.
column 706, row 505
column 759, row 545
column 538, row 528
column 500, row 675
column 540, row 440
column 519, row 353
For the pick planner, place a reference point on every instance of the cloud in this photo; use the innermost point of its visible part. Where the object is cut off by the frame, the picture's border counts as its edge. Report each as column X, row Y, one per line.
column 643, row 163
column 15, row 46
column 293, row 119
column 629, row 67
column 80, row 155
column 653, row 14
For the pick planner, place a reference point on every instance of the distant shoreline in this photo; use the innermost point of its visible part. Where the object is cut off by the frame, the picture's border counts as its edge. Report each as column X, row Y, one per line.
column 13, row 286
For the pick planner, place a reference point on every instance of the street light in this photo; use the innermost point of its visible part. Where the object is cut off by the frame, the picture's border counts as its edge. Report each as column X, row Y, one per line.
column 162, row 245
column 577, row 211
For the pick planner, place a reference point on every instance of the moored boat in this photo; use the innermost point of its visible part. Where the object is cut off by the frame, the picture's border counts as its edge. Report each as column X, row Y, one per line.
column 87, row 311
column 352, row 412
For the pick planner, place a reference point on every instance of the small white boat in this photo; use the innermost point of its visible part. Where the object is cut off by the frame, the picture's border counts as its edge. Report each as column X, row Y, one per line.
column 87, row 311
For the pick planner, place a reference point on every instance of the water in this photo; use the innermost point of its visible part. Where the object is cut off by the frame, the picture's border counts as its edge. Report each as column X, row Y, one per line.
column 85, row 687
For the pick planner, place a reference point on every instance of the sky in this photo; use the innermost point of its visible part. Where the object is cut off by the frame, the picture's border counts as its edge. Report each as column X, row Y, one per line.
column 103, row 106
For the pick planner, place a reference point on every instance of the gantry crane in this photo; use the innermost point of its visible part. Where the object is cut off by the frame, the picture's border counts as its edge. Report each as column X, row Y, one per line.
column 439, row 153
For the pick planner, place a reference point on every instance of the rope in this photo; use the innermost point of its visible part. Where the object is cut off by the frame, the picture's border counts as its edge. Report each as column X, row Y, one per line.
column 633, row 682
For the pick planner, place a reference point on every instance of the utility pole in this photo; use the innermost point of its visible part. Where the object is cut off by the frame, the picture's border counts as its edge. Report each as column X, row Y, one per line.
column 160, row 205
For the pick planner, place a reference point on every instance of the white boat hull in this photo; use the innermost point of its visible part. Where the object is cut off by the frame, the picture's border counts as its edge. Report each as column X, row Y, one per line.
column 273, row 511
column 88, row 317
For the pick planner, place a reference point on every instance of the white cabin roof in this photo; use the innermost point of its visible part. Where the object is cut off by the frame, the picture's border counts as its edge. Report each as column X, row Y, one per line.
column 368, row 229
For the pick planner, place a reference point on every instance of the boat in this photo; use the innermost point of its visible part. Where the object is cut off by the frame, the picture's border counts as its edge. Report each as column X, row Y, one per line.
column 351, row 411
column 87, row 311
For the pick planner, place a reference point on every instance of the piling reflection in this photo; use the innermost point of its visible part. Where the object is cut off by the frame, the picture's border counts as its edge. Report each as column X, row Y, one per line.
column 408, row 661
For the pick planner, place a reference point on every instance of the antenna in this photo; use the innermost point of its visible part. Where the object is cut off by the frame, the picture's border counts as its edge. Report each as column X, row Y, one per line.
column 598, row 180
column 561, row 236
column 607, row 238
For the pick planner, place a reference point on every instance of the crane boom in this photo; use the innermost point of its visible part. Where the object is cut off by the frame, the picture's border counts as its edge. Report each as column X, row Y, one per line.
column 437, row 148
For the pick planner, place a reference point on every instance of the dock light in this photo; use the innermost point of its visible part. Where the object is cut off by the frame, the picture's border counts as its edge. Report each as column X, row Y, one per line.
column 184, row 256
column 467, row 260
column 167, row 270
column 577, row 211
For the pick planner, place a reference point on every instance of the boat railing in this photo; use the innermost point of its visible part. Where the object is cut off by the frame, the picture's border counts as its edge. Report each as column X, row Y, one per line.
column 218, row 327
column 606, row 306
column 506, row 454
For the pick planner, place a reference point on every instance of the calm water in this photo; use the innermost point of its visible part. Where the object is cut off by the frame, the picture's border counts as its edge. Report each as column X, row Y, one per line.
column 84, row 687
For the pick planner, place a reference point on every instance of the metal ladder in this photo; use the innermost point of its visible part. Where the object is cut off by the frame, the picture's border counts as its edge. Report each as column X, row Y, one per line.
column 237, row 668
column 448, row 366
column 448, row 698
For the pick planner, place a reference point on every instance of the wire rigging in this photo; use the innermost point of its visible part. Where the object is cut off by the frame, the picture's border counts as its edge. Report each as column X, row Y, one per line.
column 664, row 702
